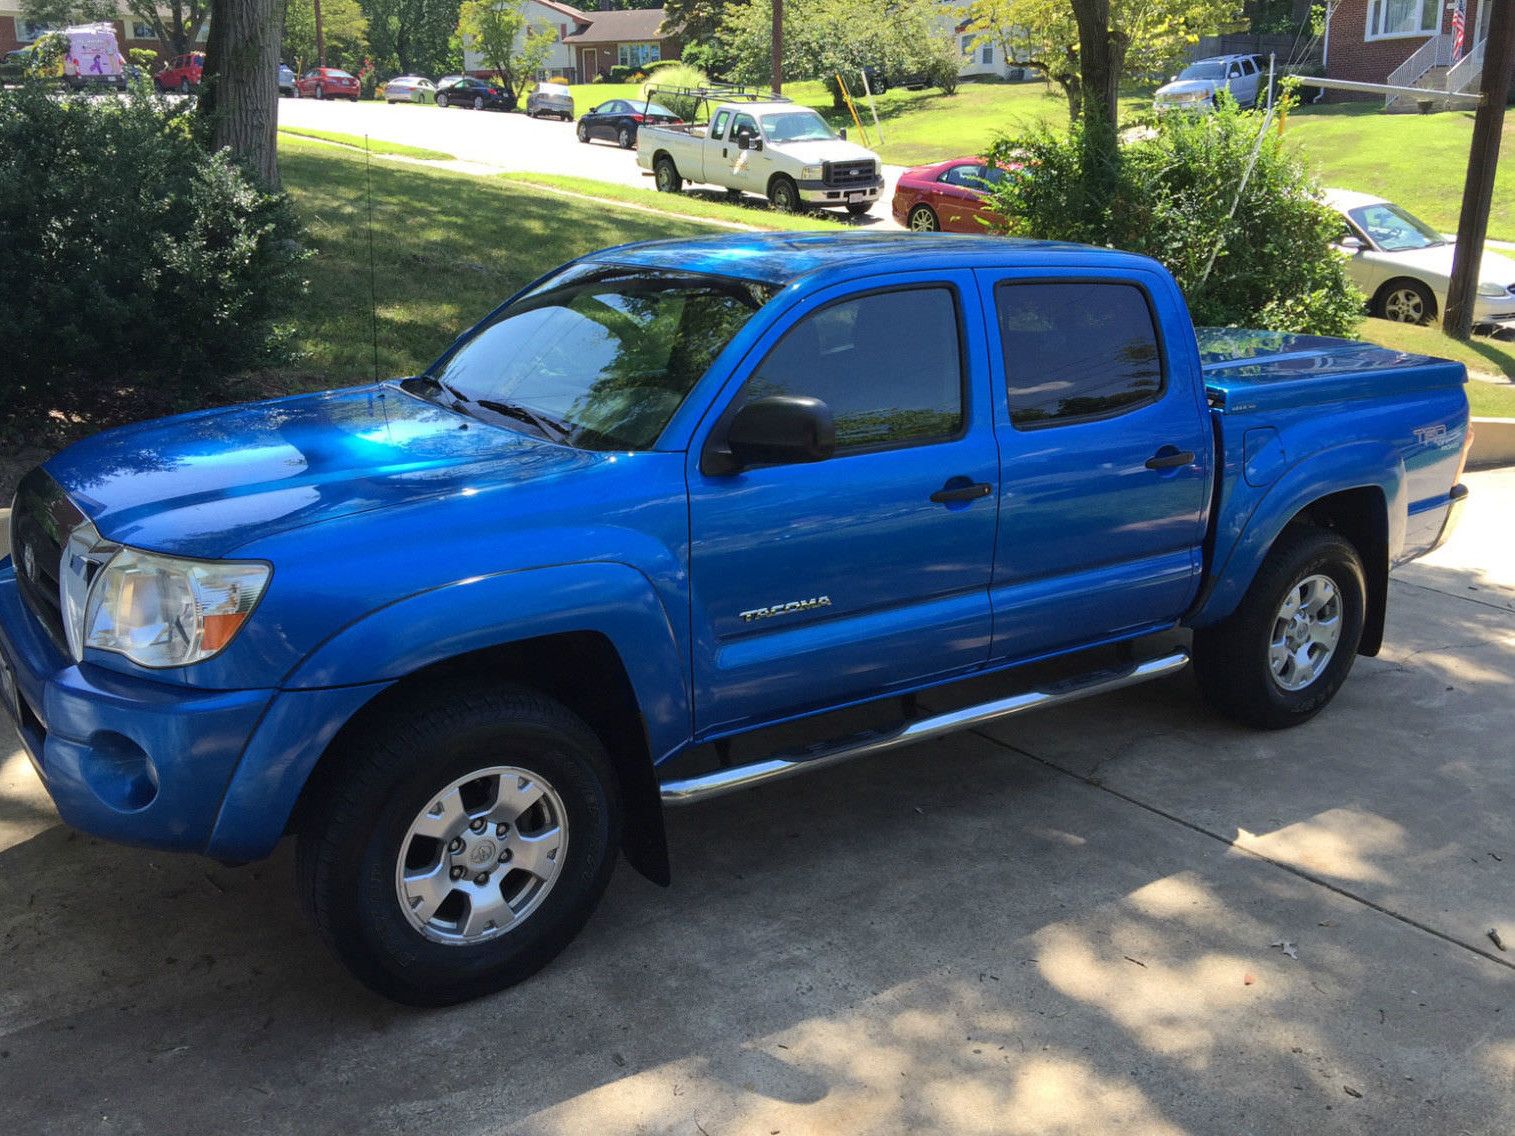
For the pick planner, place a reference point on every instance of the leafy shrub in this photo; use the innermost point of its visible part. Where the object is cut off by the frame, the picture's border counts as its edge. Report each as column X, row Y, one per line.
column 676, row 75
column 1169, row 195
column 619, row 74
column 368, row 80
column 128, row 252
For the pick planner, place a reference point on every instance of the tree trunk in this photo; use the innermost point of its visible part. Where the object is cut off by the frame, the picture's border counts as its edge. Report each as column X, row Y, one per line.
column 239, row 100
column 1098, row 58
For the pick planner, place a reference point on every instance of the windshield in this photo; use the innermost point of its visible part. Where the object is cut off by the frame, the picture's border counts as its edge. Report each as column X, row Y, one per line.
column 1394, row 230
column 604, row 354
column 1203, row 71
column 795, row 126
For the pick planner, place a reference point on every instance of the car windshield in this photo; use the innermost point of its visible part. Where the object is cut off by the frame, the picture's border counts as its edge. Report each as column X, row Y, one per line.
column 552, row 89
column 602, row 355
column 795, row 126
column 1203, row 70
column 1394, row 230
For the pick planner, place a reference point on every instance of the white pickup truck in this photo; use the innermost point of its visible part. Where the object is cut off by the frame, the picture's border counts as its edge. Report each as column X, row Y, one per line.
column 768, row 145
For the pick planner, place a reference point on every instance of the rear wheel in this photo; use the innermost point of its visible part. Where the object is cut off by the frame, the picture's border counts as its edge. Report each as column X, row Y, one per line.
column 626, row 137
column 923, row 220
column 459, row 846
column 184, row 86
column 478, row 102
column 320, row 90
column 784, row 195
column 1405, row 301
column 666, row 175
column 1283, row 654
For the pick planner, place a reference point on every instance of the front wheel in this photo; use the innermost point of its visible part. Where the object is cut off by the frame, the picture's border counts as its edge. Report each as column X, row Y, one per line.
column 583, row 131
column 784, row 195
column 459, row 844
column 320, row 91
column 184, row 86
column 442, row 101
column 1405, row 301
column 1282, row 655
column 666, row 175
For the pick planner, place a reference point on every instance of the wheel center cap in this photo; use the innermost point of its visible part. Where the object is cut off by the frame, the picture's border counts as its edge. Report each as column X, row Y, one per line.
column 482, row 852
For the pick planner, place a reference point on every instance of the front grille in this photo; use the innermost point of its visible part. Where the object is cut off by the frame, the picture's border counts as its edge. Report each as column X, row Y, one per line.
column 41, row 521
column 841, row 175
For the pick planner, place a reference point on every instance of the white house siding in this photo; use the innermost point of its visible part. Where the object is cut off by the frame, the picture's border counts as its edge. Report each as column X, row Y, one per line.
column 559, row 60
column 985, row 60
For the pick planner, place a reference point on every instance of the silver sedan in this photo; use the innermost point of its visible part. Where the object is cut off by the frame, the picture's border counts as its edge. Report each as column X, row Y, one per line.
column 409, row 89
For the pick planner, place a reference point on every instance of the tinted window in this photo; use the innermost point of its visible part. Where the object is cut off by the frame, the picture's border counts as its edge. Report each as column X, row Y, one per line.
column 1076, row 350
column 889, row 366
column 973, row 177
column 615, row 106
column 718, row 127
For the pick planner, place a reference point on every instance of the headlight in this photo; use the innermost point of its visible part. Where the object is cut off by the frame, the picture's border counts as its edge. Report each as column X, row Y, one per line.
column 158, row 611
column 811, row 173
column 1494, row 291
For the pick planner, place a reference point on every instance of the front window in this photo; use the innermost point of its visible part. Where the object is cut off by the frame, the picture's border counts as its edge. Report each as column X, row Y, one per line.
column 600, row 357
column 795, row 126
column 638, row 54
column 1394, row 230
column 1204, row 70
column 1389, row 18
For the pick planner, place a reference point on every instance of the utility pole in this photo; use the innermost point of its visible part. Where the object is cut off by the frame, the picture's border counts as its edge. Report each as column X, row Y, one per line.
column 320, row 37
column 1483, row 161
column 778, row 47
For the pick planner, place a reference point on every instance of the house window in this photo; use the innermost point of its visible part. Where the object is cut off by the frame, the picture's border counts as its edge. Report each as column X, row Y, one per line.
column 637, row 54
column 987, row 55
column 1389, row 19
column 968, row 45
column 29, row 30
column 143, row 31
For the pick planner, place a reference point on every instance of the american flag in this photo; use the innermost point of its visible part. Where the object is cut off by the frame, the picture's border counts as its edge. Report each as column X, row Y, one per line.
column 1459, row 26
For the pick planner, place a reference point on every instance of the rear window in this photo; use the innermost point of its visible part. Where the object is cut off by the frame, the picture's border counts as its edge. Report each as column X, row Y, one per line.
column 339, row 74
column 1076, row 351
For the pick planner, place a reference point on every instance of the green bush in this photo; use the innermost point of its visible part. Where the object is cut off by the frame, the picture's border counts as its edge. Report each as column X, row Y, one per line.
column 619, row 74
column 1169, row 195
column 676, row 75
column 128, row 255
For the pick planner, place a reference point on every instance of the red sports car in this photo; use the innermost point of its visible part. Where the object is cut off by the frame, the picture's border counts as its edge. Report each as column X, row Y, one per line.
column 326, row 83
column 947, row 197
column 182, row 73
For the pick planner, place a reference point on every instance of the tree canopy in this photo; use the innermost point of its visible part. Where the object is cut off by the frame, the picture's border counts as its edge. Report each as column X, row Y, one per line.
column 511, row 46
column 346, row 30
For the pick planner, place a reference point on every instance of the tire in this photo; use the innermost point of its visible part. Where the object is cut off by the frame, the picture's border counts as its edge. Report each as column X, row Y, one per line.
column 583, row 131
column 666, row 175
column 1405, row 301
column 923, row 219
column 784, row 195
column 442, row 101
column 353, row 854
column 294, row 93
column 1248, row 664
column 184, row 86
column 478, row 102
column 858, row 208
column 626, row 138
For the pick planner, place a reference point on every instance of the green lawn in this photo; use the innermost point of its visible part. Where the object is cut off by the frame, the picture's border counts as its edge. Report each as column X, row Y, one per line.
column 1417, row 160
column 1487, row 357
column 710, row 204
column 448, row 248
column 374, row 145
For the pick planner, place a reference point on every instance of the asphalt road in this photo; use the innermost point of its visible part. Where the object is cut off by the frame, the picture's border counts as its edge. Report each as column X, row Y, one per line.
column 491, row 141
column 1071, row 923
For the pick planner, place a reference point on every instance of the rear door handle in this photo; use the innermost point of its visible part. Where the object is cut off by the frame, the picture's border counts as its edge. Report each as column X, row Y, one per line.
column 951, row 494
column 1169, row 458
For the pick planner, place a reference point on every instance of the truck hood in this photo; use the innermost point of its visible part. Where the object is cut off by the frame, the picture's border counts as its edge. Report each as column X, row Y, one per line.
column 207, row 483
column 1187, row 87
column 819, row 150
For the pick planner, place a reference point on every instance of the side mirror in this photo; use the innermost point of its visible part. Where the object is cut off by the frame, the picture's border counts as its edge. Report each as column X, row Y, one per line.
column 844, row 134
column 1351, row 244
column 743, row 140
column 780, row 430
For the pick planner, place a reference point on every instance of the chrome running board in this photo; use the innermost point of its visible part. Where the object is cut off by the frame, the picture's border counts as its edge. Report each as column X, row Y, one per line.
column 823, row 754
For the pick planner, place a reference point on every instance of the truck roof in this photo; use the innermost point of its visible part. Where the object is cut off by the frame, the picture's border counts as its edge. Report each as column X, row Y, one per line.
column 779, row 258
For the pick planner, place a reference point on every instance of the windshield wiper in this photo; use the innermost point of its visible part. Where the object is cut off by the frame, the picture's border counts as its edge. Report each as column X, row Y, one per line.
column 551, row 428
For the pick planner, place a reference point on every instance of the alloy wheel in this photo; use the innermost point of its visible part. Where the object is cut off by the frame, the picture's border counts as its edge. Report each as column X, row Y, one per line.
column 1404, row 305
column 1305, row 632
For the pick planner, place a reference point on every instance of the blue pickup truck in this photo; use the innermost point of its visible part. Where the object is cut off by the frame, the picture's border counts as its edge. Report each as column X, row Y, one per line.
column 466, row 634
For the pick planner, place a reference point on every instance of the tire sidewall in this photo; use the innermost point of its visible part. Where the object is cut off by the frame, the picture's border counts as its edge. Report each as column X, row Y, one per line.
column 394, row 956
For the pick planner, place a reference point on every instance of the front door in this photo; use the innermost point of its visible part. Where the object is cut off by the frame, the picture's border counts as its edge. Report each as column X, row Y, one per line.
column 818, row 584
column 1105, row 470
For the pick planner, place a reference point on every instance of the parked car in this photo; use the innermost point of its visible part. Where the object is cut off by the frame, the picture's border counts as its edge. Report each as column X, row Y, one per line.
column 674, row 493
column 550, row 98
column 14, row 64
column 182, row 73
column 410, row 89
column 467, row 91
column 1404, row 266
column 619, row 120
column 286, row 80
column 93, row 58
column 1195, row 87
column 764, row 145
column 947, row 196
column 327, row 83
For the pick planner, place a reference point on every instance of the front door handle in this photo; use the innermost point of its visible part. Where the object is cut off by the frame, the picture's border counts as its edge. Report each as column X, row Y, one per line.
column 955, row 491
column 1169, row 458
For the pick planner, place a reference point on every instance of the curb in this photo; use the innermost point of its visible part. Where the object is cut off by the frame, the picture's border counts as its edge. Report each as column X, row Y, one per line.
column 1493, row 443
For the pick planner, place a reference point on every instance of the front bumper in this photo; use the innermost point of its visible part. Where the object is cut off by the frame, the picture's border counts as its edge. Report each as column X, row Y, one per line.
column 819, row 193
column 142, row 762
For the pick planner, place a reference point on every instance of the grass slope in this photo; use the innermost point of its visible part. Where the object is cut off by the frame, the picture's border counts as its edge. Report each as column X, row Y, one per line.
column 1487, row 357
column 447, row 248
column 376, row 146
column 711, row 204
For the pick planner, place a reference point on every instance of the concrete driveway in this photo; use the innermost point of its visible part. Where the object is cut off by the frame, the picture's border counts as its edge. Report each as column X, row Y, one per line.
column 506, row 142
column 1068, row 924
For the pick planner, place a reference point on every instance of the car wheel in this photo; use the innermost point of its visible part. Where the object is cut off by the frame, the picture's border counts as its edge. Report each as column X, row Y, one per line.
column 320, row 91
column 858, row 208
column 478, row 102
column 583, row 131
column 294, row 92
column 184, row 86
column 1282, row 655
column 666, row 175
column 923, row 219
column 442, row 101
column 626, row 137
column 460, row 843
column 784, row 195
column 1405, row 301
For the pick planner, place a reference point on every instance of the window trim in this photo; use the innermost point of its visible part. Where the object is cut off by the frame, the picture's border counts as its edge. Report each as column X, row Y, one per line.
column 1100, row 416
column 711, row 453
column 1421, row 32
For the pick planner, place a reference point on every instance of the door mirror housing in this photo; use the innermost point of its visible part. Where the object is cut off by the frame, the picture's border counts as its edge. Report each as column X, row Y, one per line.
column 844, row 134
column 778, row 430
column 1351, row 244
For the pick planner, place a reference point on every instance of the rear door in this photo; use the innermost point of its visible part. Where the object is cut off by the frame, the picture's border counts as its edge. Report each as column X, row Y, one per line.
column 1105, row 458
column 819, row 584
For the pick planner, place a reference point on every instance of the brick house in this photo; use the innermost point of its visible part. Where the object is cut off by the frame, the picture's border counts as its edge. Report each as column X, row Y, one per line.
column 17, row 31
column 1403, row 42
column 591, row 43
